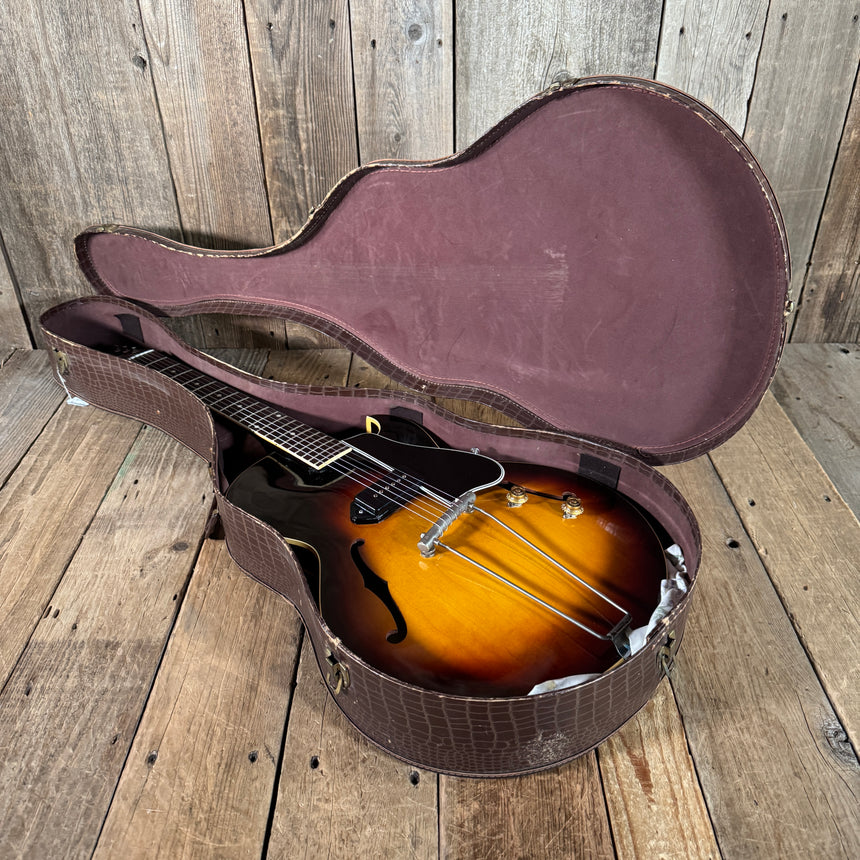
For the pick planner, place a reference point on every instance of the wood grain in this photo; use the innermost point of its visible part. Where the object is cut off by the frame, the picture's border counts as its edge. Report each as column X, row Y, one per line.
column 199, row 65
column 559, row 813
column 340, row 796
column 403, row 53
column 202, row 768
column 808, row 540
column 13, row 328
column 818, row 386
column 302, row 69
column 508, row 50
column 779, row 778
column 201, row 72
column 806, row 69
column 309, row 366
column 45, row 507
column 29, row 396
column 70, row 708
column 655, row 803
column 83, row 144
column 829, row 307
column 709, row 50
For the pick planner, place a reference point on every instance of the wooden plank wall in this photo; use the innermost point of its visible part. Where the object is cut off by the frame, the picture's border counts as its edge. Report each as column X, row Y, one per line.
column 222, row 122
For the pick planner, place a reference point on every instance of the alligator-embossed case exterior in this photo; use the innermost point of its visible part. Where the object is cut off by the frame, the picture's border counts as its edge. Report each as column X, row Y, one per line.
column 607, row 266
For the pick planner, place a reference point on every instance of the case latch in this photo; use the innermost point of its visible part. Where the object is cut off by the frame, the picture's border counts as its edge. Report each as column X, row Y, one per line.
column 666, row 655
column 62, row 361
column 337, row 675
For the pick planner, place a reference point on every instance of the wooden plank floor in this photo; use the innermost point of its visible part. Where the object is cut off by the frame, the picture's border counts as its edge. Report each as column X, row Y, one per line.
column 156, row 702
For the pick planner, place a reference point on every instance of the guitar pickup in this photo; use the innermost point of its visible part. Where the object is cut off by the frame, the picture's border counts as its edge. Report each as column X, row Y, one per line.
column 381, row 499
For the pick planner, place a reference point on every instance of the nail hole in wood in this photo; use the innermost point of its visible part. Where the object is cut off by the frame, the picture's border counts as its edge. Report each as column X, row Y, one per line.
column 315, row 762
column 153, row 755
column 751, row 502
column 252, row 756
column 414, row 777
column 827, row 498
column 373, row 44
column 731, row 543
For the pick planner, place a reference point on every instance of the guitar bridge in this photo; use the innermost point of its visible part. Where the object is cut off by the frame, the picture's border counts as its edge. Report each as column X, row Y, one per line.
column 430, row 538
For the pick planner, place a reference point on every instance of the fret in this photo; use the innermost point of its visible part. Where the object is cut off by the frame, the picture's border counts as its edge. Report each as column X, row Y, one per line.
column 301, row 441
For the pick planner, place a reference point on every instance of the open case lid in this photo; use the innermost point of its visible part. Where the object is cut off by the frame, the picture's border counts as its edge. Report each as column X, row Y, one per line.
column 608, row 261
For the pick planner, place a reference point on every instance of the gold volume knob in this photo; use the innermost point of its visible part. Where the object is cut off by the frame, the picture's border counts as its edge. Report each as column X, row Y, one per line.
column 571, row 506
column 516, row 496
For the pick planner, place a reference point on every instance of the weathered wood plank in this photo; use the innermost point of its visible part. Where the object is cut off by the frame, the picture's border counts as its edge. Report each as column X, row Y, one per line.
column 818, row 386
column 249, row 360
column 508, row 50
column 829, row 307
column 199, row 64
column 302, row 69
column 200, row 68
column 340, row 796
column 809, row 542
column 806, row 69
column 83, row 144
column 45, row 507
column 655, row 803
column 709, row 50
column 200, row 775
column 29, row 396
column 557, row 813
column 309, row 366
column 13, row 328
column 758, row 723
column 70, row 708
column 302, row 66
column 403, row 52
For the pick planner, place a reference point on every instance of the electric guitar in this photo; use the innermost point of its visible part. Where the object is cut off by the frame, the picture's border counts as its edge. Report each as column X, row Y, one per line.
column 440, row 567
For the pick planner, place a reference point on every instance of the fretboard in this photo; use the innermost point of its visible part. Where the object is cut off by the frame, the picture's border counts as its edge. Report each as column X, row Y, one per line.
column 301, row 441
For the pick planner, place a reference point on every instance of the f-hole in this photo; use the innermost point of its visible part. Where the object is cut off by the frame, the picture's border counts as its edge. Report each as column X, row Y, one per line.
column 374, row 583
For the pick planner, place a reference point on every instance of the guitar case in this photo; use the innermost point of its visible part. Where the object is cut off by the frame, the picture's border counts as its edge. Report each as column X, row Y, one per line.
column 607, row 266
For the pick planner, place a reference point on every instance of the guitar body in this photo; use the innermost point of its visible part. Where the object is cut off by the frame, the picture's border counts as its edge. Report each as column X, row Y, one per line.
column 442, row 623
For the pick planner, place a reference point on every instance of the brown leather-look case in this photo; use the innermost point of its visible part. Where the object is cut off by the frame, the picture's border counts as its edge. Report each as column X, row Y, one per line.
column 607, row 266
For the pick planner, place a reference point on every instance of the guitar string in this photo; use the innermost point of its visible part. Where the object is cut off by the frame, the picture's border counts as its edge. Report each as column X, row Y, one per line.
column 404, row 502
column 430, row 514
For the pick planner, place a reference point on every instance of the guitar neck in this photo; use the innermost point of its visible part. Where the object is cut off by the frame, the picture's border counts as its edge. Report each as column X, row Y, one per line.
column 299, row 440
